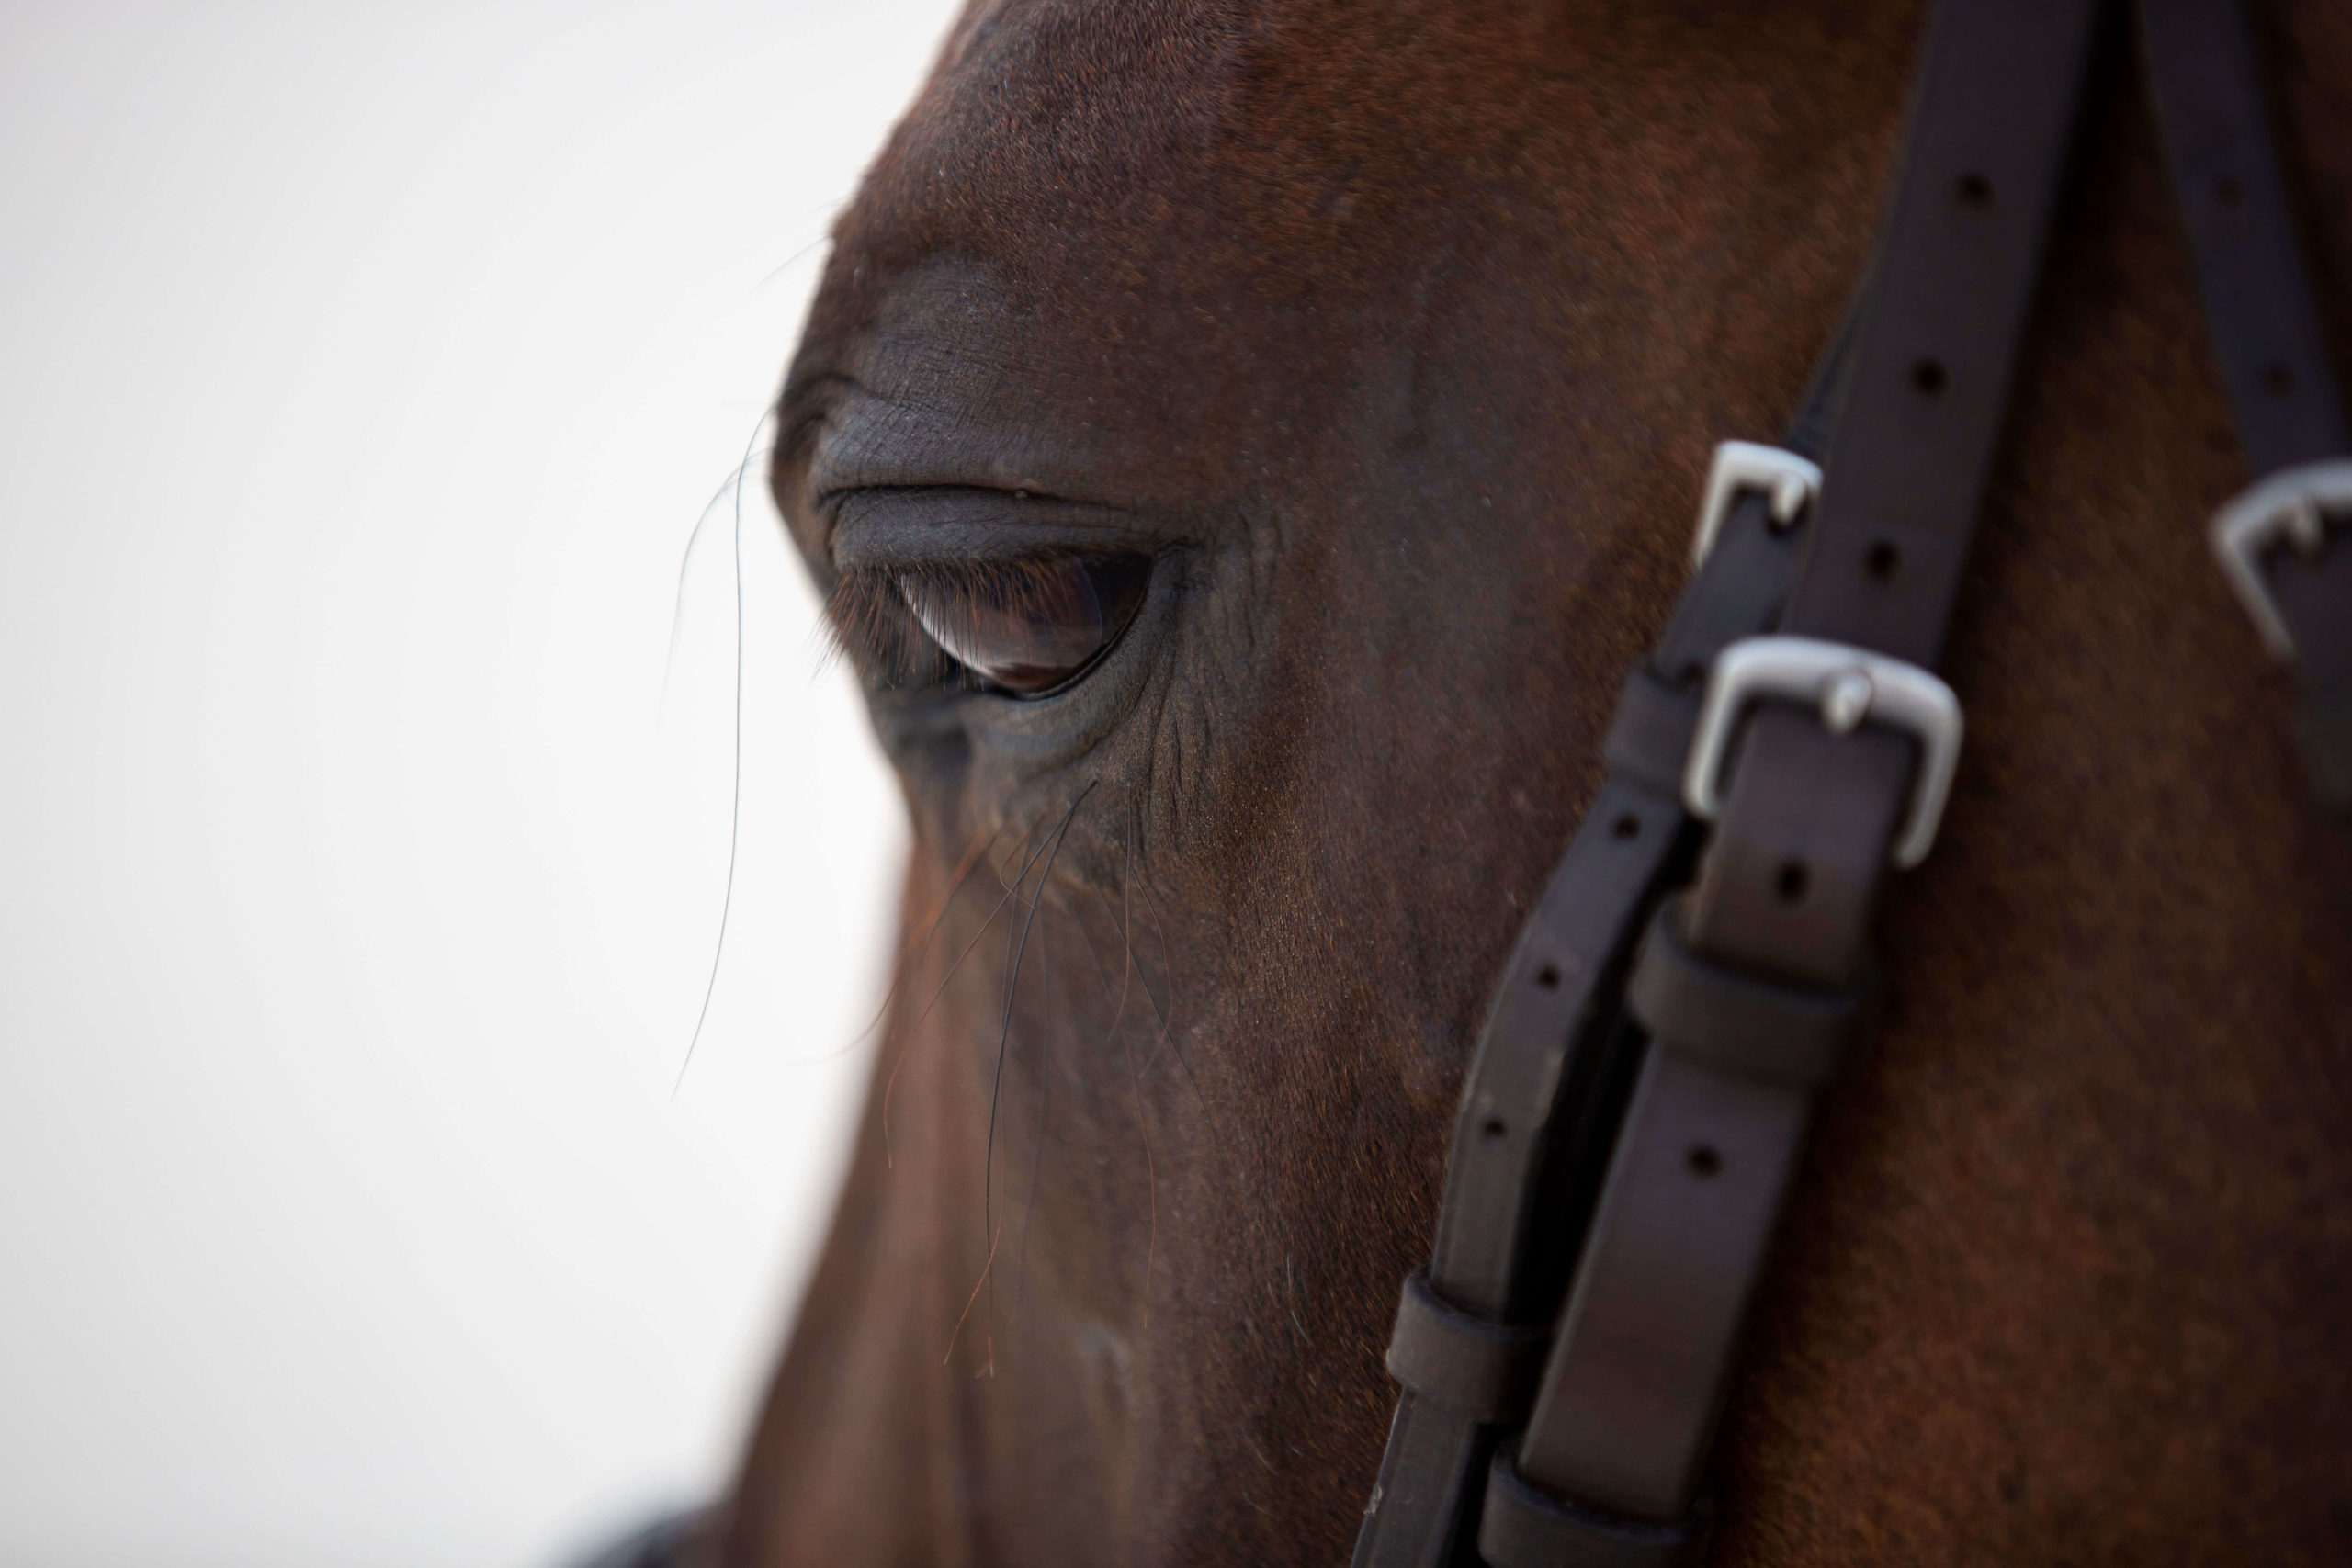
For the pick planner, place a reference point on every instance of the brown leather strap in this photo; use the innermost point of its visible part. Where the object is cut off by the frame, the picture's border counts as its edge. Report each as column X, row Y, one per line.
column 1522, row 1526
column 1725, row 1019
column 1644, row 1351
column 1907, row 466
column 1535, row 1060
column 1466, row 1362
column 1787, row 888
column 2204, row 74
column 1524, row 1129
column 1555, row 1064
column 2204, row 77
column 1756, row 984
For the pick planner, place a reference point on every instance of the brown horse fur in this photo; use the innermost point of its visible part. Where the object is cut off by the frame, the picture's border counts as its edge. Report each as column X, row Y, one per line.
column 1398, row 331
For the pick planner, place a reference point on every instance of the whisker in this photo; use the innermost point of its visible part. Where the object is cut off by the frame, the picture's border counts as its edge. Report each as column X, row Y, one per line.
column 735, row 794
column 1135, row 1078
column 1045, row 1102
column 909, row 956
column 1004, row 1034
column 1167, row 963
column 953, row 1334
column 727, row 487
column 785, row 265
column 1168, row 970
column 1221, row 1151
column 1134, row 1082
column 892, row 1082
column 1167, row 1036
column 1120, row 917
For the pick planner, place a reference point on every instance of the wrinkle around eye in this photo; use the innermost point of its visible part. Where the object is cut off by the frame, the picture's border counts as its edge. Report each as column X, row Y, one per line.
column 910, row 525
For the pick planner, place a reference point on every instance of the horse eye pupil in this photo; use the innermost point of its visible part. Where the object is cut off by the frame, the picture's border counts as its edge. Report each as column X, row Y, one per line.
column 1031, row 627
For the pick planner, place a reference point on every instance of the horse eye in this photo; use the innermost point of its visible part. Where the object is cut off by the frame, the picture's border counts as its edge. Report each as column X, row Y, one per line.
column 1028, row 626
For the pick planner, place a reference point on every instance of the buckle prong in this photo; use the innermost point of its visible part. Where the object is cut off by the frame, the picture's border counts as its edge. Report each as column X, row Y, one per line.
column 1846, row 701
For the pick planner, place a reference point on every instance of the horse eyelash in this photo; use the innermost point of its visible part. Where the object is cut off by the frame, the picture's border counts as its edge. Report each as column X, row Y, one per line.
column 868, row 620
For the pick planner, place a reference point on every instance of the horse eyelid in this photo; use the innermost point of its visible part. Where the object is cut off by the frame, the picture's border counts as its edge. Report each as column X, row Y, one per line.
column 1026, row 626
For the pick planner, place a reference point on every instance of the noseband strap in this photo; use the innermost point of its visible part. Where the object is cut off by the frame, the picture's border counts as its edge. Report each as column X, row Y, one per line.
column 1644, row 1085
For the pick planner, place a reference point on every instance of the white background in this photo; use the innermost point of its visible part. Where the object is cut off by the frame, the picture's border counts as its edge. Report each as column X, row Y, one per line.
column 363, row 373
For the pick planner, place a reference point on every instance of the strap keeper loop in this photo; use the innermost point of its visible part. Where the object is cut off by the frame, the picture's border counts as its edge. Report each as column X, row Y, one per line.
column 1523, row 1526
column 1739, row 1022
column 1481, row 1368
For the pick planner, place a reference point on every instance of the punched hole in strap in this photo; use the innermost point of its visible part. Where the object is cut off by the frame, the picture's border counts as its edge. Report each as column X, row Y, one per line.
column 1484, row 1368
column 1740, row 1023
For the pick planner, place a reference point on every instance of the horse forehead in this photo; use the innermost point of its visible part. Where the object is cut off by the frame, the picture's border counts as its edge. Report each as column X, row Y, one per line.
column 1045, row 116
column 1151, row 141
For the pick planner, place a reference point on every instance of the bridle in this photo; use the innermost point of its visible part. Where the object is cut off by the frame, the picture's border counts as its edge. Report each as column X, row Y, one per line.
column 1700, row 965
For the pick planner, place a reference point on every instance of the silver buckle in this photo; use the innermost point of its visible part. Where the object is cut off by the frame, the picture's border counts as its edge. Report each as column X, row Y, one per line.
column 2291, row 504
column 1849, row 684
column 1791, row 482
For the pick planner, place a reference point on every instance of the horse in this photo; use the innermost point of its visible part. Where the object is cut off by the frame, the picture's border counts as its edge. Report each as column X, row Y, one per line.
column 1243, row 444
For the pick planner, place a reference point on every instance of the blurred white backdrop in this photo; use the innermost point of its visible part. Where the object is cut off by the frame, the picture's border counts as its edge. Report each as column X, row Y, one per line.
column 367, row 367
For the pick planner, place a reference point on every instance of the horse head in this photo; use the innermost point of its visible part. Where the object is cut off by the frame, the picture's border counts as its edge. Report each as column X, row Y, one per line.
column 1244, row 447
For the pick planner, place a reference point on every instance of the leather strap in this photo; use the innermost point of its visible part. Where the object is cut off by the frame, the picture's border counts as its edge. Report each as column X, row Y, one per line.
column 1524, row 1128
column 1752, row 989
column 1645, row 1350
column 1644, row 1353
column 1786, row 890
column 1467, row 1363
column 2204, row 74
column 1523, row 1528
column 1555, row 1063
column 1907, row 465
column 2204, row 77
column 1738, row 1023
